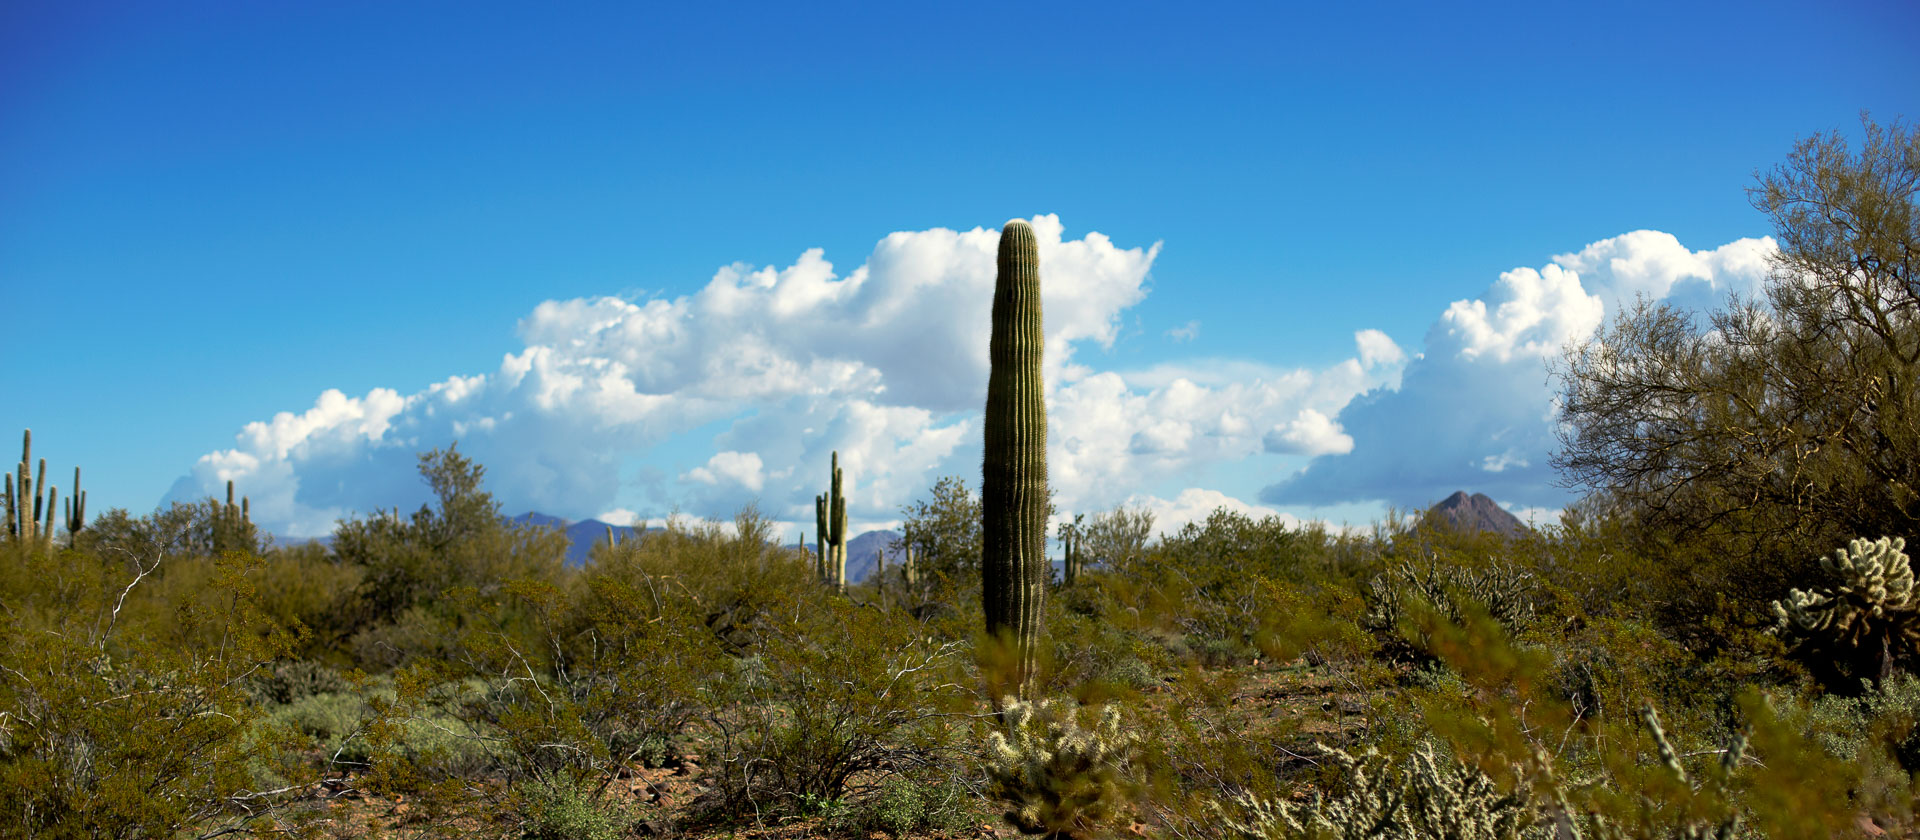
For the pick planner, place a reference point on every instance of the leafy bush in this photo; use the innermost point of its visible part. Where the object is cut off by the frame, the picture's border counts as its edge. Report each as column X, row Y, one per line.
column 842, row 692
column 905, row 805
column 560, row 806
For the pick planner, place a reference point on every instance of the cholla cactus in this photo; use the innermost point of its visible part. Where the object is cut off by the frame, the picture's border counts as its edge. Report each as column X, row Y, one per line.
column 1871, row 607
column 1504, row 591
column 1428, row 799
column 1058, row 779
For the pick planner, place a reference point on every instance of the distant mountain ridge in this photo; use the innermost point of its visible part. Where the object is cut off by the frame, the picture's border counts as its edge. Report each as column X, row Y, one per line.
column 1477, row 513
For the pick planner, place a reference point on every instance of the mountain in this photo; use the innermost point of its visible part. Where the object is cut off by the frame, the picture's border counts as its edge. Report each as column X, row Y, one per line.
column 1477, row 513
column 580, row 535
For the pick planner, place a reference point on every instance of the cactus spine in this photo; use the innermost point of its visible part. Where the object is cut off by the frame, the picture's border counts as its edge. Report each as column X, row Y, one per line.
column 830, row 515
column 1013, row 563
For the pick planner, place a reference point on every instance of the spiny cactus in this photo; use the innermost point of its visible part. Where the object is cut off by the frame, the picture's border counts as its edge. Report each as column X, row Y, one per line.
column 31, row 502
column 1070, row 558
column 1056, row 778
column 830, row 515
column 1868, row 615
column 1425, row 799
column 1013, row 487
column 1503, row 591
column 232, row 524
column 75, row 508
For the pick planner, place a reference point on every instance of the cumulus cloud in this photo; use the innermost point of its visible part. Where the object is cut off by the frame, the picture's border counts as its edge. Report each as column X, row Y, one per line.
column 1185, row 332
column 1195, row 504
column 1310, row 433
column 1476, row 410
column 885, row 364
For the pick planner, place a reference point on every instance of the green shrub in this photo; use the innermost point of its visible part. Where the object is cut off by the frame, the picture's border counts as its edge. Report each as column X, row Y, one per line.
column 903, row 806
column 564, row 807
column 840, row 692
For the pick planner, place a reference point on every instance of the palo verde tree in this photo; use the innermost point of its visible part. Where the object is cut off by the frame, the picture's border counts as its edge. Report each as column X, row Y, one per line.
column 1773, row 428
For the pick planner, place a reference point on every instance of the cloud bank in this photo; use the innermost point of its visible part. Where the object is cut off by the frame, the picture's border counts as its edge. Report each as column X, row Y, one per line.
column 1476, row 410
column 739, row 391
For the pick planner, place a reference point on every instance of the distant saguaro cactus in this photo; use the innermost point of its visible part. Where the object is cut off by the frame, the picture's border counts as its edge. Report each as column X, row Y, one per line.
column 1013, row 485
column 232, row 524
column 75, row 507
column 31, row 503
column 830, row 515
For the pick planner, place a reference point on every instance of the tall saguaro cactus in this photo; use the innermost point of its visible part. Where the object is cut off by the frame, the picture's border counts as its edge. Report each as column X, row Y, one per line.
column 31, row 504
column 1013, row 485
column 830, row 515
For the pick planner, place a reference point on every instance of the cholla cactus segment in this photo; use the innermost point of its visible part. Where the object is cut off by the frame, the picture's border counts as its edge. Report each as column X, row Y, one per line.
column 1428, row 798
column 1875, row 580
column 1057, row 778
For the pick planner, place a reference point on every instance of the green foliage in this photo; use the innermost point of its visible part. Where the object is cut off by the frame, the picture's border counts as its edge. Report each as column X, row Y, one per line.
column 561, row 807
column 839, row 692
column 111, row 732
column 903, row 806
column 943, row 532
column 1744, row 442
column 1056, row 777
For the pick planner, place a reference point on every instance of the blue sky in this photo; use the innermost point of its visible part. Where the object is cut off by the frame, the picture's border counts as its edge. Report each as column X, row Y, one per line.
column 1324, row 279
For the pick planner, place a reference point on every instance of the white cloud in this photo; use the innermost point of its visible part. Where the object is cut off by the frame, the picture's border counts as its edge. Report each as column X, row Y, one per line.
column 1475, row 411
column 622, row 518
column 1309, row 433
column 1377, row 349
column 885, row 364
column 1195, row 504
column 1185, row 332
column 737, row 468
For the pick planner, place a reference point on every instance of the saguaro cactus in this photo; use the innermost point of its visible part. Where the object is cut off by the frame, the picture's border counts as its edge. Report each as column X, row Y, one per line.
column 1070, row 550
column 1013, row 485
column 830, row 514
column 31, row 504
column 232, row 524
column 76, row 511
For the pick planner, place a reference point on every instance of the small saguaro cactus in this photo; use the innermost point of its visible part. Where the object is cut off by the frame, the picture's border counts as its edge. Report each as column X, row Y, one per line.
column 232, row 524
column 830, row 515
column 1070, row 559
column 31, row 505
column 1870, row 613
column 75, row 507
column 1013, row 485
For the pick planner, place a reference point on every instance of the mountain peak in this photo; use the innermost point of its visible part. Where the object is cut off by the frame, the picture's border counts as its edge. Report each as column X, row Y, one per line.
column 1477, row 513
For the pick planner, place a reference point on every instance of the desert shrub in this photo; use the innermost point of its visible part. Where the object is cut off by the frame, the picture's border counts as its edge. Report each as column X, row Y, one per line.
column 842, row 692
column 291, row 680
column 562, row 807
column 903, row 805
column 110, row 732
column 1055, row 776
